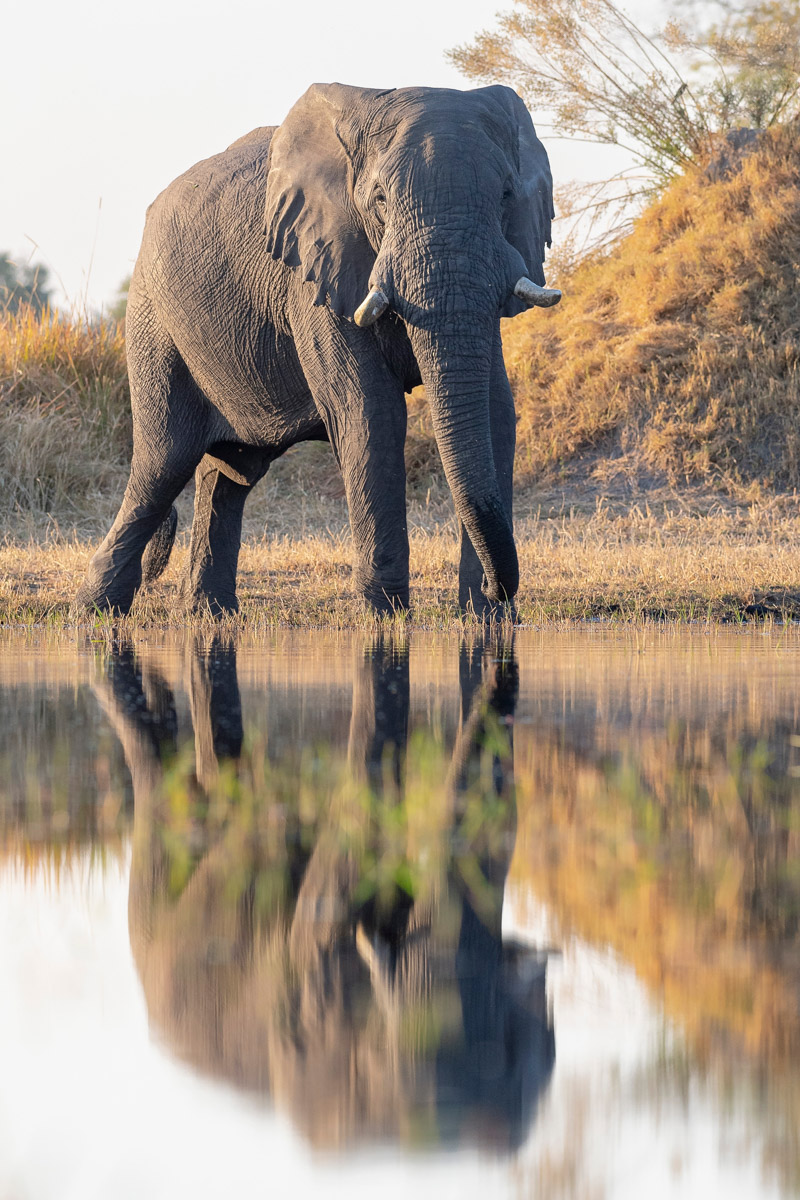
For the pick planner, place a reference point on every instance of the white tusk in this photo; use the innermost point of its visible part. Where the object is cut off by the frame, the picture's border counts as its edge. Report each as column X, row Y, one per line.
column 373, row 307
column 534, row 296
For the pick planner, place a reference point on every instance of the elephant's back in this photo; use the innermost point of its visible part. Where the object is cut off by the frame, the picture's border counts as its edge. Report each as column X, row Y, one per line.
column 260, row 136
column 207, row 278
column 230, row 177
column 204, row 235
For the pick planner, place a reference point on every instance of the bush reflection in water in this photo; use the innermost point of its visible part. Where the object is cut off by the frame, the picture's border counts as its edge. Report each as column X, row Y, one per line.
column 328, row 930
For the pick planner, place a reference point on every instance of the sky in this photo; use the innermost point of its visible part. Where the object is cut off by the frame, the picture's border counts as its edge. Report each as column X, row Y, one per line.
column 104, row 103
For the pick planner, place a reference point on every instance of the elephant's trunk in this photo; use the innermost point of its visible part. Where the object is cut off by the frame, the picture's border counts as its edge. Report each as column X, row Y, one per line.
column 456, row 370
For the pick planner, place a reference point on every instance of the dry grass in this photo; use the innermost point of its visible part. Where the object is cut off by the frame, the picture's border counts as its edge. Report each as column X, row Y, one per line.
column 670, row 562
column 65, row 427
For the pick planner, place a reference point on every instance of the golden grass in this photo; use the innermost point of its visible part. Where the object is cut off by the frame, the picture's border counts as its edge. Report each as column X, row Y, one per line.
column 65, row 425
column 675, row 356
column 668, row 562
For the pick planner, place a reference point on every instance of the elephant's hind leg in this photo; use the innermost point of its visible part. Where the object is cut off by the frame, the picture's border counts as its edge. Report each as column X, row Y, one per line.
column 223, row 482
column 169, row 438
column 115, row 571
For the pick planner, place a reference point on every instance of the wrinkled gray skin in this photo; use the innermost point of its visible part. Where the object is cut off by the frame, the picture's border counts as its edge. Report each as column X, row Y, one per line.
column 241, row 344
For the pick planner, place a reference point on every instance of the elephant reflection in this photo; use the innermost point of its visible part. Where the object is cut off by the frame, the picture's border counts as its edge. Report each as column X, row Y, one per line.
column 342, row 954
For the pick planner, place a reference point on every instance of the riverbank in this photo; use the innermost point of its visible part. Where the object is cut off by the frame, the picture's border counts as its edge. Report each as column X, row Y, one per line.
column 662, row 558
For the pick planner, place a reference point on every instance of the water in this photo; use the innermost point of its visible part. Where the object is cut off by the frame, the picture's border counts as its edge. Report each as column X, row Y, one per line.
column 433, row 918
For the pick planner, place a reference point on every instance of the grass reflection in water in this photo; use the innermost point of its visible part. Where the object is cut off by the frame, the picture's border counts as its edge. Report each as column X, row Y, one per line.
column 316, row 897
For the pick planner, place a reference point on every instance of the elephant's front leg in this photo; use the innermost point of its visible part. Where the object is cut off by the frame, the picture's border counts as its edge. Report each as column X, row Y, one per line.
column 363, row 406
column 372, row 461
column 504, row 438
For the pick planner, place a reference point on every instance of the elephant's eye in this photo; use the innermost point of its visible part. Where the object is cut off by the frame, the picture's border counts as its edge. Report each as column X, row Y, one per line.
column 508, row 192
column 379, row 203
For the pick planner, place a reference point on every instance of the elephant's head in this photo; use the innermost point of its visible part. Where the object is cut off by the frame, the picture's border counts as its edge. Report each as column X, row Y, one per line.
column 433, row 205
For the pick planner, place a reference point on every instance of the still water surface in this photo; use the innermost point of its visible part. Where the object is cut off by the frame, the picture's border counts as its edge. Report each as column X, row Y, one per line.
column 316, row 914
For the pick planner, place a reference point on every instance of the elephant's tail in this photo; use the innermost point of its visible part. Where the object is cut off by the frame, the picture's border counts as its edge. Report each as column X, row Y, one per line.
column 157, row 552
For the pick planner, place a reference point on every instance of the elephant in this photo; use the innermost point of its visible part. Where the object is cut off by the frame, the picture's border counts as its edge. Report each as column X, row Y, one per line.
column 270, row 958
column 293, row 288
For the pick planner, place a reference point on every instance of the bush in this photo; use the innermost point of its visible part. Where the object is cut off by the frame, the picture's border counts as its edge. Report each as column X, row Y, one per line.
column 22, row 287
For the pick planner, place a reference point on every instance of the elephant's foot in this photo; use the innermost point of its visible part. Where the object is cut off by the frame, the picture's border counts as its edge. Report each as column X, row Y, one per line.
column 218, row 605
column 92, row 598
column 383, row 599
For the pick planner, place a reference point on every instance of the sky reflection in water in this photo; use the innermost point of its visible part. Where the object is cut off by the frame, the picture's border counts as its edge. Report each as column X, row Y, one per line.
column 535, row 904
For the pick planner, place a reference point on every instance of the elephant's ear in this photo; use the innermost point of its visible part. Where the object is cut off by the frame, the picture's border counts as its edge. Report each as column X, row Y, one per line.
column 311, row 219
column 531, row 211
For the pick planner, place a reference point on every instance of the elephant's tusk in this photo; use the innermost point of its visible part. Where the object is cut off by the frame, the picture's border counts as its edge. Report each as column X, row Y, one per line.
column 373, row 307
column 534, row 296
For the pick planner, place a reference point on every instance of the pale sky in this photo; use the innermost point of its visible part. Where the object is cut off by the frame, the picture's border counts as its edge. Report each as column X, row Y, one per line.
column 104, row 103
